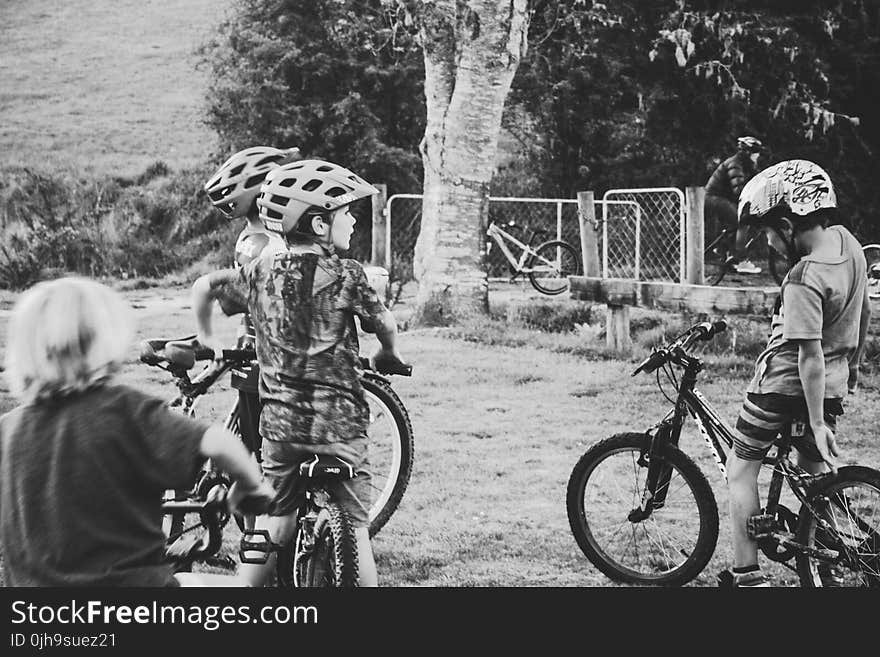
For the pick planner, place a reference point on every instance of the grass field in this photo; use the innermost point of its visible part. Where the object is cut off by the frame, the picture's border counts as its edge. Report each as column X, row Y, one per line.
column 106, row 87
column 497, row 432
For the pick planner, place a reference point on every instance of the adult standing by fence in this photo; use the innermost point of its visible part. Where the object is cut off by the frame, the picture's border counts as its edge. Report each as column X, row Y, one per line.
column 722, row 195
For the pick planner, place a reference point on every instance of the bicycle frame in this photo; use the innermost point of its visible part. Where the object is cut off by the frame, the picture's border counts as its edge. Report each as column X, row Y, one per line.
column 718, row 435
column 501, row 236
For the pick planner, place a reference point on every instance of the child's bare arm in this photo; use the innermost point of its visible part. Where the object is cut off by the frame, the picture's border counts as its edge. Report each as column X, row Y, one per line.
column 230, row 455
column 224, row 286
column 864, row 320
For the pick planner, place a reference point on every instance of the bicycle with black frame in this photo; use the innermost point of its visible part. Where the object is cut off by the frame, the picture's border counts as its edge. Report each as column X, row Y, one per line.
column 321, row 553
column 643, row 512
column 390, row 430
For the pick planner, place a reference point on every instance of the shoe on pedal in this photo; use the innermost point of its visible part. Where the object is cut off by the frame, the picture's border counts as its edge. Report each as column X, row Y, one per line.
column 728, row 579
column 747, row 267
column 830, row 575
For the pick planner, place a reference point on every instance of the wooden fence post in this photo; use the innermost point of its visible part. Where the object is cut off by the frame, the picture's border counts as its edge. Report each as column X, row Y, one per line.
column 694, row 235
column 589, row 238
column 380, row 226
column 617, row 329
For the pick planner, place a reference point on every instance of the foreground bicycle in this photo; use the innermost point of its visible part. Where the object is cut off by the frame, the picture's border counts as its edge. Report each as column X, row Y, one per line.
column 643, row 512
column 321, row 553
column 390, row 430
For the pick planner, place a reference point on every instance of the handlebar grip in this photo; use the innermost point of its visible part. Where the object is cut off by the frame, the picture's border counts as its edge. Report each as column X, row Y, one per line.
column 393, row 366
column 707, row 331
column 652, row 362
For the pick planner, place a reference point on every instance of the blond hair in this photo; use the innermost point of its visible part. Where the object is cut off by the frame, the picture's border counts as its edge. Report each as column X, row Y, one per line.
column 65, row 336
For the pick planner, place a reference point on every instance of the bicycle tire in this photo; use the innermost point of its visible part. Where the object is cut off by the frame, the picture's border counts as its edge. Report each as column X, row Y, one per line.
column 403, row 447
column 546, row 251
column 715, row 258
column 332, row 561
column 865, row 534
column 703, row 504
column 872, row 257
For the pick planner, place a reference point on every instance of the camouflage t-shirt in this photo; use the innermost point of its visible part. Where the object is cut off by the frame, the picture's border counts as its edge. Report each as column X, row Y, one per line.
column 303, row 306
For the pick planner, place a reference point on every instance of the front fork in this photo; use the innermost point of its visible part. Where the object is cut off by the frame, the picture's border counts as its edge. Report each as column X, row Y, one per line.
column 659, row 470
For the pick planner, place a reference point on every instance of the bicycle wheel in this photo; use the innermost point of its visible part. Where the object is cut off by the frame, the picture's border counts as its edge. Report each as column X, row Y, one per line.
column 672, row 545
column 715, row 258
column 850, row 503
column 390, row 448
column 872, row 258
column 328, row 559
column 551, row 266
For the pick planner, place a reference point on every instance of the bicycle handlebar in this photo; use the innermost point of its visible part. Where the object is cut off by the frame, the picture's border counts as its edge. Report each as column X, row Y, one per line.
column 702, row 332
column 185, row 352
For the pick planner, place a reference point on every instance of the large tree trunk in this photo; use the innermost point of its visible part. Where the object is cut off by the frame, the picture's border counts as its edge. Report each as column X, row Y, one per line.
column 472, row 50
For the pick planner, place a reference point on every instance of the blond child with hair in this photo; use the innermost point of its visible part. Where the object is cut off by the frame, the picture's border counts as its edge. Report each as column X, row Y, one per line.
column 84, row 460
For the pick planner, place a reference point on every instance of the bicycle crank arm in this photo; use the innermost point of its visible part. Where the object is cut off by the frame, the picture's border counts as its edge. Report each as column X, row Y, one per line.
column 818, row 553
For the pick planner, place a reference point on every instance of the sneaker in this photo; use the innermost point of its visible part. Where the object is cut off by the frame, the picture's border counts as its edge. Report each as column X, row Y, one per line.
column 747, row 267
column 830, row 575
column 728, row 579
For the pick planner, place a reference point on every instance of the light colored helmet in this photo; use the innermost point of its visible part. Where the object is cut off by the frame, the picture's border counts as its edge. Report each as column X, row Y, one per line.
column 237, row 182
column 308, row 185
column 799, row 186
column 749, row 144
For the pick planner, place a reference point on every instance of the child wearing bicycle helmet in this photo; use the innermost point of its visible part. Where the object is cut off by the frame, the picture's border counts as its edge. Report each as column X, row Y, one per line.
column 304, row 300
column 85, row 460
column 233, row 190
column 817, row 334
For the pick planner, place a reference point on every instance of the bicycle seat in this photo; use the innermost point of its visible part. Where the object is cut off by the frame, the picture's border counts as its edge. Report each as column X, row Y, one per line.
column 326, row 466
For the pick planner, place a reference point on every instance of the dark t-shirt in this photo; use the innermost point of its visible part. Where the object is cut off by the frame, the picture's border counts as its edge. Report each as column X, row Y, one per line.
column 81, row 484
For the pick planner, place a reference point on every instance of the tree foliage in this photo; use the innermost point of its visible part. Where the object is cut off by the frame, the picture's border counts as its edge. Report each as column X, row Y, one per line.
column 618, row 93
column 341, row 79
column 655, row 92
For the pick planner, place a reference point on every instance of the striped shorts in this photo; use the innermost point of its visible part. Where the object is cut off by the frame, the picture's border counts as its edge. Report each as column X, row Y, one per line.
column 762, row 417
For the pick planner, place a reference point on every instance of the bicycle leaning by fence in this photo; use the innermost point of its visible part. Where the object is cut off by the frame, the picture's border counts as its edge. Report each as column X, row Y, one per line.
column 548, row 265
column 643, row 512
column 390, row 430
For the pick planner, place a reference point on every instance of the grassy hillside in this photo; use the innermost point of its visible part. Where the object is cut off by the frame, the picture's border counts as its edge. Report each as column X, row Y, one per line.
column 108, row 87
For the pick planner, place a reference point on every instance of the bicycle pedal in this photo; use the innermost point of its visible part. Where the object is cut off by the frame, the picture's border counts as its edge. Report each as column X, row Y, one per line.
column 726, row 580
column 263, row 547
column 761, row 526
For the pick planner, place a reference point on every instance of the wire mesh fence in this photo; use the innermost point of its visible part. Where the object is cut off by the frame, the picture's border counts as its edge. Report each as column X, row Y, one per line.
column 653, row 225
column 639, row 232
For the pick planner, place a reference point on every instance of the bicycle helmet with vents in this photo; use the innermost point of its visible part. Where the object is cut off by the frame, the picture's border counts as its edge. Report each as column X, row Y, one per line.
column 294, row 190
column 796, row 188
column 749, row 144
column 235, row 185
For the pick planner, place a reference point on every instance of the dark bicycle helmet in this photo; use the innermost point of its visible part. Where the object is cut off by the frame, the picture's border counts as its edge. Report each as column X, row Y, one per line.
column 749, row 144
column 799, row 187
column 293, row 190
column 237, row 182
